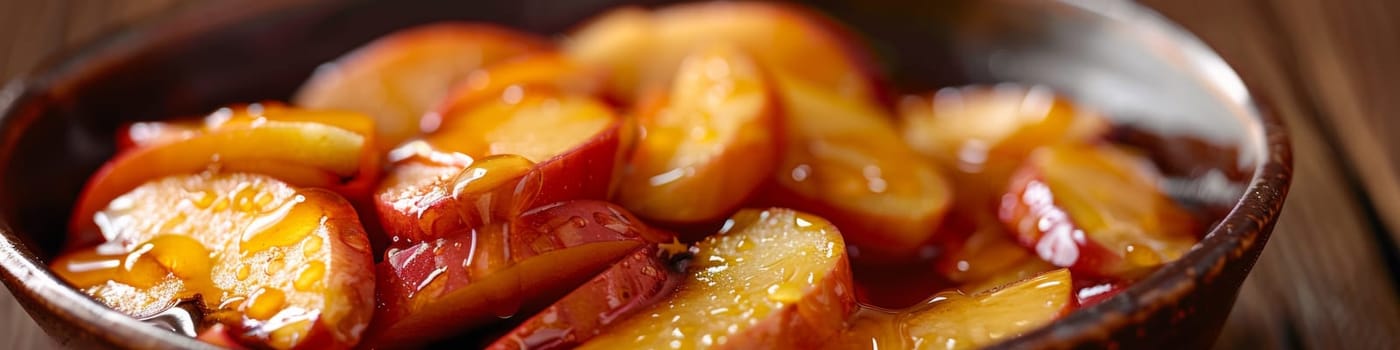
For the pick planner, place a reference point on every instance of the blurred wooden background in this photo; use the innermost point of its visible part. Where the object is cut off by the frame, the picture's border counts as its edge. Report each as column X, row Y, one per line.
column 1331, row 69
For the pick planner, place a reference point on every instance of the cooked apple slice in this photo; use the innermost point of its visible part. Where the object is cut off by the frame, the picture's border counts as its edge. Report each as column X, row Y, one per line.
column 140, row 134
column 628, row 287
column 283, row 266
column 1096, row 210
column 1018, row 270
column 549, row 69
column 642, row 49
column 844, row 161
column 399, row 77
column 769, row 279
column 575, row 141
column 982, row 251
column 953, row 320
column 709, row 142
column 965, row 127
column 304, row 148
column 437, row 287
column 982, row 133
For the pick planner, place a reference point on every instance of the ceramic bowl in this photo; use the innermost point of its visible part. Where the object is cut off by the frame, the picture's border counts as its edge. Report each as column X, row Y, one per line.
column 1170, row 93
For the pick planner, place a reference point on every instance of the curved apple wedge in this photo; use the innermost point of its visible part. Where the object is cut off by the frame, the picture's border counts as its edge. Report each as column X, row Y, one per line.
column 959, row 321
column 623, row 290
column 1096, row 210
column 844, row 161
column 399, row 77
column 966, row 126
column 982, row 133
column 641, row 49
column 710, row 141
column 978, row 249
column 279, row 266
column 548, row 70
column 952, row 320
column 304, row 148
column 575, row 141
column 771, row 278
column 437, row 287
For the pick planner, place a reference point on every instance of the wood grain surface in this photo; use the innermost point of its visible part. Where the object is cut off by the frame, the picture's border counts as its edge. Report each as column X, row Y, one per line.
column 1330, row 68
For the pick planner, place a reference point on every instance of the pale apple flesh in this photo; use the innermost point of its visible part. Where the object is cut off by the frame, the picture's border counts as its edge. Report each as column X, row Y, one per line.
column 710, row 142
column 279, row 266
column 843, row 161
column 953, row 320
column 771, row 278
column 549, row 70
column 641, row 49
column 980, row 134
column 401, row 76
column 288, row 146
column 1096, row 210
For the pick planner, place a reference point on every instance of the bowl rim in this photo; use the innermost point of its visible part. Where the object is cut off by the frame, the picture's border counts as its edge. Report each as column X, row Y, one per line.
column 1238, row 238
column 1240, row 235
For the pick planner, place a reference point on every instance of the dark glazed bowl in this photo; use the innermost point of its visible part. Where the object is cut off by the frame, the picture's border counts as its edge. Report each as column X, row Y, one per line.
column 1149, row 75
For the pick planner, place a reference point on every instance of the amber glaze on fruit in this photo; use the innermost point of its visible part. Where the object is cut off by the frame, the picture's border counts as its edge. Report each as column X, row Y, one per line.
column 46, row 114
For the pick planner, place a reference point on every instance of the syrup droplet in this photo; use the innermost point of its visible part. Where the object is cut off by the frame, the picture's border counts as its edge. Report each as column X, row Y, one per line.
column 264, row 304
column 311, row 246
column 310, row 276
column 286, row 225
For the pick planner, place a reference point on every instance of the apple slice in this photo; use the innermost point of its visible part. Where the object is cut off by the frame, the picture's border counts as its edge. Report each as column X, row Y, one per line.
column 642, row 49
column 968, row 126
column 1017, row 271
column 709, row 143
column 539, row 70
column 982, row 133
column 769, row 279
column 282, row 266
column 305, row 148
column 983, row 250
column 435, row 288
column 141, row 134
column 218, row 335
column 626, row 288
column 952, row 320
column 399, row 77
column 1097, row 210
column 844, row 161
column 575, row 141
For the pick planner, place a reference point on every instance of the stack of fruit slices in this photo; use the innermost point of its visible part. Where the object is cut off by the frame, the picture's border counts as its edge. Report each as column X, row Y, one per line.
column 465, row 182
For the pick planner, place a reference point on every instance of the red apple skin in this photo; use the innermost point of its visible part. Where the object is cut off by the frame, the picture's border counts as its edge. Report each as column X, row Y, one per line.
column 414, row 202
column 218, row 335
column 1058, row 206
column 401, row 76
column 628, row 286
column 435, row 288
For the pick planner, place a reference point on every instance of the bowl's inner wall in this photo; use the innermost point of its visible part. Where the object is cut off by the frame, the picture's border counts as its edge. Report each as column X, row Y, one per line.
column 63, row 127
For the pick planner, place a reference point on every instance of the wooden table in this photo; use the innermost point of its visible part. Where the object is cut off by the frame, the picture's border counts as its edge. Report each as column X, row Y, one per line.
column 1331, row 69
